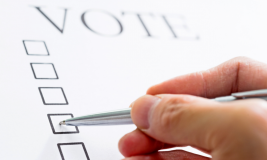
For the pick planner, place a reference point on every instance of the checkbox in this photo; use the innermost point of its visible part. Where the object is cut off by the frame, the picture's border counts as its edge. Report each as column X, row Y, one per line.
column 73, row 151
column 35, row 48
column 53, row 96
column 44, row 71
column 54, row 120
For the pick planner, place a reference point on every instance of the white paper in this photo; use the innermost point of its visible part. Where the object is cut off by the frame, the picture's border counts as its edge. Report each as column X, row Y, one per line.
column 105, row 58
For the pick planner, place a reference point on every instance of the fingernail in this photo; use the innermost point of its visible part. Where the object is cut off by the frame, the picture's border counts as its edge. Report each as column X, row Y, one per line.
column 141, row 110
column 132, row 104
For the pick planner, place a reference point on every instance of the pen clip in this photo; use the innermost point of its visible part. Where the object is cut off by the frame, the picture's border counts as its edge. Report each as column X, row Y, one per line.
column 250, row 94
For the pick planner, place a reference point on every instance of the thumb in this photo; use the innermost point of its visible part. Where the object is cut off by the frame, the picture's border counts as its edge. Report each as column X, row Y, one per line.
column 187, row 120
column 177, row 119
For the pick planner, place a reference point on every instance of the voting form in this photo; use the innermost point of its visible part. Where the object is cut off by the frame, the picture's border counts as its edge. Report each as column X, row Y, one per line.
column 64, row 58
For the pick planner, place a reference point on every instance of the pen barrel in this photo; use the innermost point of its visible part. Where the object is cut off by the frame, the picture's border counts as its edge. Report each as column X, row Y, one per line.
column 112, row 120
column 109, row 118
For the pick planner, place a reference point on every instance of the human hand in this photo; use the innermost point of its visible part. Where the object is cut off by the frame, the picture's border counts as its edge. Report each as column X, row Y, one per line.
column 166, row 117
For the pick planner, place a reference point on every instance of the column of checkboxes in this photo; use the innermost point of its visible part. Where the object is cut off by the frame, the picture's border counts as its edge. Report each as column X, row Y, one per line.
column 45, row 71
column 54, row 96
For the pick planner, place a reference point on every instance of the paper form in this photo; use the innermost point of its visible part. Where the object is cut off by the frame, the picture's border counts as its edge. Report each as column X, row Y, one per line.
column 72, row 58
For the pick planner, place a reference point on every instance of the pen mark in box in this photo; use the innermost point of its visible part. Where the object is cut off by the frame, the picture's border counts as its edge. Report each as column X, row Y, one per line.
column 54, row 120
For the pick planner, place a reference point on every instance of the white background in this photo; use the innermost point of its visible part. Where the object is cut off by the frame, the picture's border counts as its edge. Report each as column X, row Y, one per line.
column 101, row 73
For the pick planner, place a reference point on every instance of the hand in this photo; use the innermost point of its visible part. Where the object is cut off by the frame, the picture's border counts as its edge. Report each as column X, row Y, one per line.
column 166, row 117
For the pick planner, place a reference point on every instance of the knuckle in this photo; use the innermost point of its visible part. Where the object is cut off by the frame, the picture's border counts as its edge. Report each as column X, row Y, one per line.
column 259, row 103
column 172, row 113
column 255, row 110
column 241, row 117
column 241, row 58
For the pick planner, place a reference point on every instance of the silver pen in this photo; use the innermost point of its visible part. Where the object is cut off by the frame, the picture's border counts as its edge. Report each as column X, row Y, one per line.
column 124, row 116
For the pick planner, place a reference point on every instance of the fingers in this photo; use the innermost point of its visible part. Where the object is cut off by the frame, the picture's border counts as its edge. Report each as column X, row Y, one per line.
column 173, row 119
column 170, row 155
column 206, row 124
column 137, row 143
column 235, row 75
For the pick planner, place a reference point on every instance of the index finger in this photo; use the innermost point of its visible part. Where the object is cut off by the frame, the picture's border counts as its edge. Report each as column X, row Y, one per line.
column 236, row 75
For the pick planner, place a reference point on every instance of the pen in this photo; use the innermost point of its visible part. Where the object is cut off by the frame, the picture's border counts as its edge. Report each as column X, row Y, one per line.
column 124, row 116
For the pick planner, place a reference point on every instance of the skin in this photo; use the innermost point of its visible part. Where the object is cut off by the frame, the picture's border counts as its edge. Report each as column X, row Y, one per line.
column 173, row 113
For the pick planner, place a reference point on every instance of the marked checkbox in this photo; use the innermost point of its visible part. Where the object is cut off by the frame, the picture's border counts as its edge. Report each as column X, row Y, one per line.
column 44, row 71
column 54, row 120
column 53, row 96
column 73, row 151
column 35, row 48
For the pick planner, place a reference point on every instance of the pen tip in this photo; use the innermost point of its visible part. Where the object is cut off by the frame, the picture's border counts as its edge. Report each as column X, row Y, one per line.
column 62, row 123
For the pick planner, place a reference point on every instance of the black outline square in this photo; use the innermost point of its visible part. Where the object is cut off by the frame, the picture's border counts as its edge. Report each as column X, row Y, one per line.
column 52, row 127
column 35, row 54
column 74, row 143
column 53, row 103
column 44, row 63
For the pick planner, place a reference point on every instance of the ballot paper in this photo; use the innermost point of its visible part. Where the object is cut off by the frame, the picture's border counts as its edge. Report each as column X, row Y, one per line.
column 64, row 58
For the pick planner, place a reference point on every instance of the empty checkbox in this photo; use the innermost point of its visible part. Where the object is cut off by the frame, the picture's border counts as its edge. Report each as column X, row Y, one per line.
column 73, row 151
column 54, row 120
column 53, row 96
column 35, row 48
column 44, row 71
